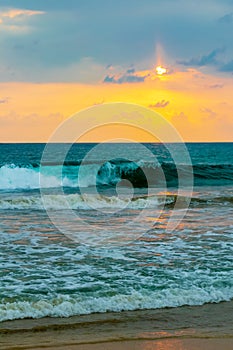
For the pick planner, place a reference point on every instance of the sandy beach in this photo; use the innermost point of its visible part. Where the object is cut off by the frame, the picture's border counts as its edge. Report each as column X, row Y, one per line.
column 199, row 327
column 170, row 344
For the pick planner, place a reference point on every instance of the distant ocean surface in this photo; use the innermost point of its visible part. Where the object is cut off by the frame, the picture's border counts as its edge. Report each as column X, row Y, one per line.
column 44, row 273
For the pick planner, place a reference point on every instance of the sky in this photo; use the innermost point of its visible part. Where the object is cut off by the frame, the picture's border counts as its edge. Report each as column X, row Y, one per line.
column 59, row 57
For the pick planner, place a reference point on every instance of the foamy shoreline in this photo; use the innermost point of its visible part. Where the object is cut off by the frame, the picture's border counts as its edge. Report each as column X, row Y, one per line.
column 190, row 327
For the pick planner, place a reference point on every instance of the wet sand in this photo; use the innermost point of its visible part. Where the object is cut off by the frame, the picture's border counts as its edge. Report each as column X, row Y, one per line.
column 199, row 327
column 170, row 344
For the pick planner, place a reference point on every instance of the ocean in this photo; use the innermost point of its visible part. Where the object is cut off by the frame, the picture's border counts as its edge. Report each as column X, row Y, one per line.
column 46, row 272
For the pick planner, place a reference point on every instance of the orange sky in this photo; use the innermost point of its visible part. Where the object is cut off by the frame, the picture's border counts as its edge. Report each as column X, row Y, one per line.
column 57, row 59
column 199, row 105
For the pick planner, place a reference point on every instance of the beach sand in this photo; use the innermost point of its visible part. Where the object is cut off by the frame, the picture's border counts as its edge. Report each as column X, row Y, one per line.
column 168, row 344
column 198, row 327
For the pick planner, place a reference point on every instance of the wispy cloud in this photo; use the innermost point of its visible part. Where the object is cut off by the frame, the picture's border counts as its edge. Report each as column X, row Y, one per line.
column 72, row 30
column 209, row 112
column 16, row 20
column 4, row 100
column 204, row 60
column 123, row 79
column 216, row 86
column 227, row 19
column 160, row 104
column 18, row 13
column 227, row 67
column 130, row 76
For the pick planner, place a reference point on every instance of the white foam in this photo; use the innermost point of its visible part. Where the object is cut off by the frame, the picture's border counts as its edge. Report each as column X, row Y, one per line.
column 13, row 177
column 65, row 306
column 76, row 201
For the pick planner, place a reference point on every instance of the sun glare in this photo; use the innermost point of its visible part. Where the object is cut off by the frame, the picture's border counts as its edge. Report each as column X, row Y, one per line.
column 161, row 70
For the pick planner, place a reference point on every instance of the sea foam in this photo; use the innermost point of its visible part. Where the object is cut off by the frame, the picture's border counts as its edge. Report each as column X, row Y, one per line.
column 66, row 306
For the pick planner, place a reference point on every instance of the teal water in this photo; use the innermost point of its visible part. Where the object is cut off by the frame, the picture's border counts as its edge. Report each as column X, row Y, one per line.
column 45, row 273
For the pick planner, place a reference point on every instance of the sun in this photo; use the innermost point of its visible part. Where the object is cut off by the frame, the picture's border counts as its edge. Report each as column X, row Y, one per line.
column 160, row 70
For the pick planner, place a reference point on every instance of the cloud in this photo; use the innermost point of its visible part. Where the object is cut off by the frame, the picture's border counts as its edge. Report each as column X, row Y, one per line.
column 130, row 71
column 130, row 76
column 227, row 67
column 18, row 13
column 160, row 104
column 4, row 100
column 109, row 79
column 216, row 86
column 123, row 79
column 72, row 30
column 227, row 19
column 209, row 59
column 209, row 112
column 15, row 20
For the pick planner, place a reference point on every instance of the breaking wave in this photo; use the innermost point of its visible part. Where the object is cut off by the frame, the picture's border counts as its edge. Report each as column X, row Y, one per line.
column 90, row 201
column 139, row 174
column 68, row 306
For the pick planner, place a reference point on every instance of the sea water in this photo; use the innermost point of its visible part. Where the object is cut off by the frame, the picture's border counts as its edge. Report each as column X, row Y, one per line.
column 44, row 272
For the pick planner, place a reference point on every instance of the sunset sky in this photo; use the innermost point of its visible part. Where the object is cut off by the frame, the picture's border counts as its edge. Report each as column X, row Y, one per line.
column 60, row 56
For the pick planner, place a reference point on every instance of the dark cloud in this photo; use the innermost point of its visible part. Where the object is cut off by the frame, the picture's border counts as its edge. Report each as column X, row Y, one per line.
column 227, row 19
column 121, row 32
column 210, row 59
column 130, row 71
column 109, row 79
column 160, row 104
column 124, row 78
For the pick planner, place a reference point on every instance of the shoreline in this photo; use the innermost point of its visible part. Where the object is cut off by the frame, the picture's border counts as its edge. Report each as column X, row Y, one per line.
column 164, row 344
column 196, row 326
